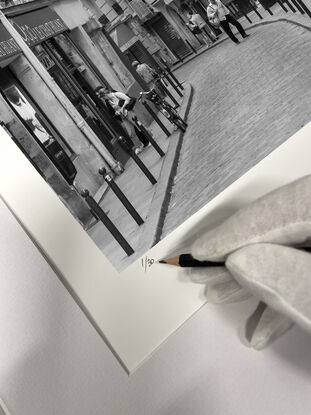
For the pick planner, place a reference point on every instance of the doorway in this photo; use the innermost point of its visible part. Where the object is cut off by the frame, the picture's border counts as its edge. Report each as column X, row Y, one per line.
column 169, row 36
column 38, row 126
column 138, row 52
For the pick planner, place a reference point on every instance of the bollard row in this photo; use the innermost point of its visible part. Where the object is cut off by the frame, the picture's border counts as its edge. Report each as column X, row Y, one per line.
column 127, row 145
column 121, row 196
column 170, row 74
column 286, row 5
column 146, row 133
column 156, row 118
column 98, row 213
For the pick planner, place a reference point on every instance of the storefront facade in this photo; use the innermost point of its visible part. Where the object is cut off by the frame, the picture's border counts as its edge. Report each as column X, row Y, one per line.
column 170, row 25
column 48, row 135
column 140, row 40
column 170, row 37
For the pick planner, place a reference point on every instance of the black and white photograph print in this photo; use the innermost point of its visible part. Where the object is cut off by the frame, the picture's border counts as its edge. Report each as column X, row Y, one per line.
column 138, row 113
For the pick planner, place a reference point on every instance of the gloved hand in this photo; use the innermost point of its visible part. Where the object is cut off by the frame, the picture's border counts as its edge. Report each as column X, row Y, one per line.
column 258, row 244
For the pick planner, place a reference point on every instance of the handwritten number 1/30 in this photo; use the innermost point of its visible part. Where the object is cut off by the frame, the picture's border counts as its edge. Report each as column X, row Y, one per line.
column 147, row 263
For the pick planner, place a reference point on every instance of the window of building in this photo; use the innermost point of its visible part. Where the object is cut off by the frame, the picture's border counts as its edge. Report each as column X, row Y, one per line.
column 104, row 20
column 117, row 8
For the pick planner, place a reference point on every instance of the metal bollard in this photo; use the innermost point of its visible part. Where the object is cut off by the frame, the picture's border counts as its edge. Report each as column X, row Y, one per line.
column 173, row 84
column 266, row 8
column 255, row 10
column 171, row 97
column 246, row 16
column 97, row 211
column 282, row 5
column 290, row 6
column 299, row 8
column 232, row 10
column 156, row 118
column 304, row 7
column 168, row 70
column 121, row 196
column 127, row 147
column 144, row 130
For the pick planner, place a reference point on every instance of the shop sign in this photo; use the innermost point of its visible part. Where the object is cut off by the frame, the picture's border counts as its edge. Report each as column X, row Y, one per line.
column 39, row 25
column 46, row 61
column 8, row 46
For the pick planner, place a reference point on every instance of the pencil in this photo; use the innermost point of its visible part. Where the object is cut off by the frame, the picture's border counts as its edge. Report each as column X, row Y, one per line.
column 187, row 260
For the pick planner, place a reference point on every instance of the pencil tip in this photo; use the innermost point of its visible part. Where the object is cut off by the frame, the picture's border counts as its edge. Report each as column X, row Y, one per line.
column 162, row 262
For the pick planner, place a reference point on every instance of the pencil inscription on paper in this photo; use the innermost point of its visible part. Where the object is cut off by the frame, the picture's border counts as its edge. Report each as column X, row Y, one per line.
column 146, row 263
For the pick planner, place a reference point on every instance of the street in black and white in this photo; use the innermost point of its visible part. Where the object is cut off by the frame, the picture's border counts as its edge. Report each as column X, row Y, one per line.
column 241, row 102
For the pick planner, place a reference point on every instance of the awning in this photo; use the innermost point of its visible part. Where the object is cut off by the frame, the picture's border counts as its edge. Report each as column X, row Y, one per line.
column 123, row 36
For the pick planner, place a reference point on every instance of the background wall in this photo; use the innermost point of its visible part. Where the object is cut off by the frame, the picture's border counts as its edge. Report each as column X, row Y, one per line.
column 52, row 361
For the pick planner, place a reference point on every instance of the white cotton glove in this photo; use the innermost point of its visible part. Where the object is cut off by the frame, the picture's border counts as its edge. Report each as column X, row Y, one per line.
column 220, row 286
column 278, row 275
column 282, row 217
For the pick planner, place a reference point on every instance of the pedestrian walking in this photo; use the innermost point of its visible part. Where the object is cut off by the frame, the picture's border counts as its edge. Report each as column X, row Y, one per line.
column 146, row 72
column 151, row 77
column 123, row 105
column 219, row 15
column 200, row 28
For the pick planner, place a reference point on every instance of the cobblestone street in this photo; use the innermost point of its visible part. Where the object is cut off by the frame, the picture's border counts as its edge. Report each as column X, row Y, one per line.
column 245, row 101
column 143, row 195
column 248, row 99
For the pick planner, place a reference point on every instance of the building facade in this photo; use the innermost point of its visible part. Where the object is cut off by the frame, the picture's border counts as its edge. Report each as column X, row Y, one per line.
column 149, row 30
column 53, row 55
column 50, row 65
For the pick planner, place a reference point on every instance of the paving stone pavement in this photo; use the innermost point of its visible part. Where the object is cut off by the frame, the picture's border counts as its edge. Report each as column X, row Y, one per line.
column 141, row 194
column 248, row 99
column 278, row 14
column 139, row 191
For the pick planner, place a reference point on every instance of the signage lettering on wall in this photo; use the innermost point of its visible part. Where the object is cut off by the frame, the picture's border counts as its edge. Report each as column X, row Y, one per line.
column 8, row 47
column 39, row 25
column 46, row 61
column 36, row 34
column 34, row 27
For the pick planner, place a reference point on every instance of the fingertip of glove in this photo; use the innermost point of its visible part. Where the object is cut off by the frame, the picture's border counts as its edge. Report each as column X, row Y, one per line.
column 263, row 327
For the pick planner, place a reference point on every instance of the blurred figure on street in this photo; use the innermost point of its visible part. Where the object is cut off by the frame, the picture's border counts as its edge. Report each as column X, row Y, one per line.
column 219, row 15
column 151, row 77
column 145, row 71
column 200, row 28
column 123, row 106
